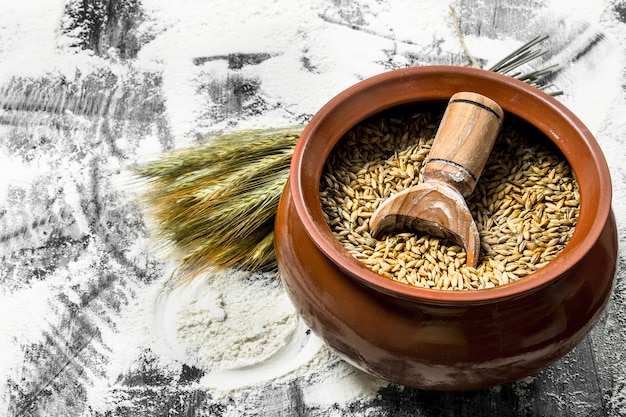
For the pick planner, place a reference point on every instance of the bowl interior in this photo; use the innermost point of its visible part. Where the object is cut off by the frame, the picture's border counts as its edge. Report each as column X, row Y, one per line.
column 436, row 84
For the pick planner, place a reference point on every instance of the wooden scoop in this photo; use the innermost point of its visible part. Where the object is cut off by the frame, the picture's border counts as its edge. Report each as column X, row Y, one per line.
column 458, row 155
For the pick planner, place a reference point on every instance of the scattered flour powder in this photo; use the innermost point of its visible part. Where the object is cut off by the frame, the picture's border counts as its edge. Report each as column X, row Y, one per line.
column 241, row 329
column 226, row 320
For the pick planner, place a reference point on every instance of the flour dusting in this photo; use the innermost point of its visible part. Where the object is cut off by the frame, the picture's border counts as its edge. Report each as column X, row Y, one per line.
column 89, row 322
column 226, row 320
column 242, row 332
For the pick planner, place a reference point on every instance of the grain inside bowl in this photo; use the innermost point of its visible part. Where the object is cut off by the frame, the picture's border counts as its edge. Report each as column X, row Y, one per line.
column 525, row 204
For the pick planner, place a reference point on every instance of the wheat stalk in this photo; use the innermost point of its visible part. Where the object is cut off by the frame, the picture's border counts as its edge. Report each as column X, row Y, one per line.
column 214, row 204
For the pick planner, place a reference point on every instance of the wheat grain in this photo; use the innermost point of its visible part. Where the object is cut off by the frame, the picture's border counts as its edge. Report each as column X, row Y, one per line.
column 214, row 204
column 525, row 205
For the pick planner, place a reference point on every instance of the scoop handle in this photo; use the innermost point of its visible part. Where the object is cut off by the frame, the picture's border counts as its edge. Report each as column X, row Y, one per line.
column 463, row 142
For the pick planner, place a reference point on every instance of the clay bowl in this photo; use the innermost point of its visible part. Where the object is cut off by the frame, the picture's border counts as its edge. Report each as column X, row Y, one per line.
column 434, row 339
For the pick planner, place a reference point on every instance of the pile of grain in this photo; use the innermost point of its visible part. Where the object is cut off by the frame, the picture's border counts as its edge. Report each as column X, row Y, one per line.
column 525, row 205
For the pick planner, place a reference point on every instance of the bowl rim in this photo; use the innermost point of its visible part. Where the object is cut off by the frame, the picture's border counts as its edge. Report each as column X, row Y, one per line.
column 341, row 113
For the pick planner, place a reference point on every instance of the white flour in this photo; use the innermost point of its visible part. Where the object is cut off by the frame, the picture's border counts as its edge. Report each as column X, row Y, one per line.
column 241, row 330
column 288, row 31
column 227, row 320
column 243, row 333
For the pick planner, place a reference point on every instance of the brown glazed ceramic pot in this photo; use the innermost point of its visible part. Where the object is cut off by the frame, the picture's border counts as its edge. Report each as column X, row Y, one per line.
column 433, row 339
